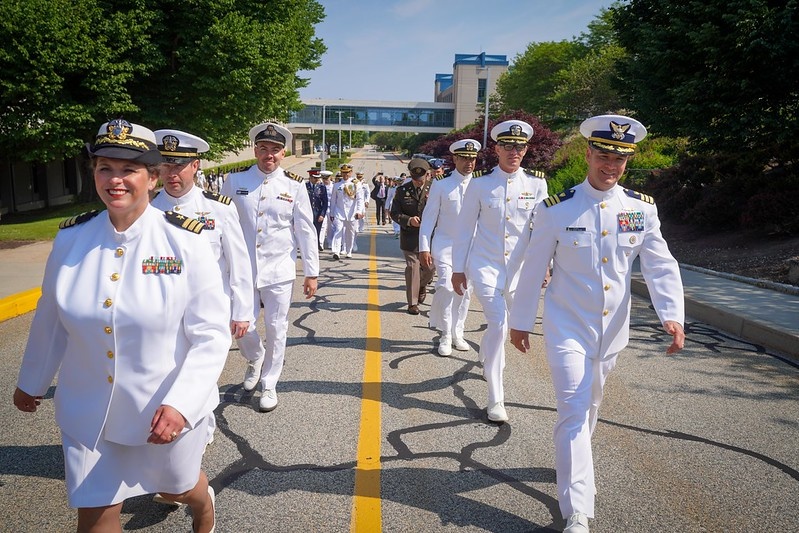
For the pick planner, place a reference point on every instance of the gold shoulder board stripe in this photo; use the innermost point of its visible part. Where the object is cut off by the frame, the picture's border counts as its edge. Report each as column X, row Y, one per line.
column 78, row 219
column 293, row 176
column 477, row 173
column 558, row 198
column 182, row 221
column 218, row 197
column 536, row 173
column 639, row 196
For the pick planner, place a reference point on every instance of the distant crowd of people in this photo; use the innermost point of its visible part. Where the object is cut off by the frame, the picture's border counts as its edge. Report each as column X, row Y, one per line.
column 140, row 302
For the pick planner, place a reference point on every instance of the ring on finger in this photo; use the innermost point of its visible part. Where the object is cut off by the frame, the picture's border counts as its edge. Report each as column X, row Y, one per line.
column 173, row 435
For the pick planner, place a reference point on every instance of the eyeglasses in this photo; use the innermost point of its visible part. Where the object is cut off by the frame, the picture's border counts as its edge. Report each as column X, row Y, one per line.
column 512, row 146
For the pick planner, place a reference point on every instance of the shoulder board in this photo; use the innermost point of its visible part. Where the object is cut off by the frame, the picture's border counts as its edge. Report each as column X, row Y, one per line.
column 78, row 219
column 558, row 198
column 478, row 173
column 442, row 176
column 155, row 196
column 639, row 196
column 182, row 221
column 218, row 197
column 535, row 173
column 293, row 176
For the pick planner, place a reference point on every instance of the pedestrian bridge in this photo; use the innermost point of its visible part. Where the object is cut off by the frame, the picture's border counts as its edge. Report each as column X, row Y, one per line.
column 373, row 115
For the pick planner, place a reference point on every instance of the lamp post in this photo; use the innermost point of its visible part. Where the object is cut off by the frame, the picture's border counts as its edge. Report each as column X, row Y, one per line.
column 324, row 146
column 350, row 133
column 339, row 133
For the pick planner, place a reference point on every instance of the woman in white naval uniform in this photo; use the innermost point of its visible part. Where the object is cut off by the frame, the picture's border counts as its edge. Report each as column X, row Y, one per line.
column 594, row 232
column 439, row 227
column 134, row 315
column 497, row 210
column 276, row 218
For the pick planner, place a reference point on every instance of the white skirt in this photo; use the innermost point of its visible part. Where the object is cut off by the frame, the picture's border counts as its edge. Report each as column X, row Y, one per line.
column 112, row 472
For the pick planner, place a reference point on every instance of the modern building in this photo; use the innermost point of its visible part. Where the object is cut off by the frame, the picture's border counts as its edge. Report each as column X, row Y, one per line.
column 459, row 100
column 473, row 80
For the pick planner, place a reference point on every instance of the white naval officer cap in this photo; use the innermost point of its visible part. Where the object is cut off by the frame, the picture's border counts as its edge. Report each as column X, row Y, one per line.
column 613, row 133
column 512, row 132
column 325, row 173
column 465, row 148
column 178, row 146
column 120, row 139
column 271, row 132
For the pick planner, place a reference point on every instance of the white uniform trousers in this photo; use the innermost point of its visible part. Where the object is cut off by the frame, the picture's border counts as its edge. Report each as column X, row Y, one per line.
column 448, row 310
column 495, row 304
column 578, row 381
column 324, row 234
column 343, row 236
column 277, row 300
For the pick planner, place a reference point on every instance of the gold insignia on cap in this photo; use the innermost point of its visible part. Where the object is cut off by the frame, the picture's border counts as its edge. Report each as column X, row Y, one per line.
column 469, row 146
column 171, row 143
column 619, row 130
column 119, row 129
column 515, row 130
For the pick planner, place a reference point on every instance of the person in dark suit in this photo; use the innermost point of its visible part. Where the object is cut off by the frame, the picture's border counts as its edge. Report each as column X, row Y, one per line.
column 406, row 210
column 318, row 195
column 379, row 194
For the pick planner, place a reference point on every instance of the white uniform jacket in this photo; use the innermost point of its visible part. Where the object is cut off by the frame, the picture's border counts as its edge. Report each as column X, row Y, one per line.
column 497, row 210
column 276, row 216
column 222, row 228
column 346, row 200
column 363, row 190
column 440, row 218
column 128, row 334
column 594, row 237
column 329, row 189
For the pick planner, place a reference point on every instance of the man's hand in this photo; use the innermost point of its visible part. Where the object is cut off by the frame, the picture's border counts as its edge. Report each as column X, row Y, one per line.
column 309, row 287
column 25, row 402
column 414, row 222
column 238, row 328
column 520, row 339
column 425, row 259
column 675, row 330
column 458, row 283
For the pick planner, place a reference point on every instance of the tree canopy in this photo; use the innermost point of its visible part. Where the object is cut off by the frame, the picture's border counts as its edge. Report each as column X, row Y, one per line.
column 721, row 72
column 210, row 67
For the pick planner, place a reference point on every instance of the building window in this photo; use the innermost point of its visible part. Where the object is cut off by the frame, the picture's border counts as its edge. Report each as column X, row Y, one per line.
column 481, row 90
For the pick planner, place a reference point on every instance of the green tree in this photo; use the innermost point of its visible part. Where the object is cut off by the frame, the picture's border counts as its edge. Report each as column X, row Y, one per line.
column 535, row 75
column 590, row 85
column 65, row 65
column 211, row 67
column 721, row 72
column 228, row 64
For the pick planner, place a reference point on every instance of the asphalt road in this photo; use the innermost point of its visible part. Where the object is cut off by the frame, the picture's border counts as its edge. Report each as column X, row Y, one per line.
column 702, row 441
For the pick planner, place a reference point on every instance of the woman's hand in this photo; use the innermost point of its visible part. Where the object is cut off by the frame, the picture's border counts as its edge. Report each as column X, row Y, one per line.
column 166, row 425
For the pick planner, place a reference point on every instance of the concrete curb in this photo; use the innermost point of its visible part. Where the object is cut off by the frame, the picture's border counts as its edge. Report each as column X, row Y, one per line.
column 19, row 304
column 767, row 335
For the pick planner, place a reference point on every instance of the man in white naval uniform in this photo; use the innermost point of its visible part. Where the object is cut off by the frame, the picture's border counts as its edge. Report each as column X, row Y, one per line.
column 276, row 217
column 495, row 227
column 325, row 234
column 438, row 231
column 220, row 219
column 593, row 231
column 346, row 209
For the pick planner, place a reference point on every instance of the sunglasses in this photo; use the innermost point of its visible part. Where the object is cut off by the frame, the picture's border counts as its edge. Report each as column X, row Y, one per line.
column 508, row 147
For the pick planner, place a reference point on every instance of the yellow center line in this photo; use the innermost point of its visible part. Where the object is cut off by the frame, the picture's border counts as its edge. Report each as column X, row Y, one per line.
column 366, row 510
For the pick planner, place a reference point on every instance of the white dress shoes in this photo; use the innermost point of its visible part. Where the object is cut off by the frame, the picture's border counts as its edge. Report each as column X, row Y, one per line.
column 253, row 374
column 445, row 346
column 497, row 413
column 577, row 523
column 460, row 344
column 268, row 401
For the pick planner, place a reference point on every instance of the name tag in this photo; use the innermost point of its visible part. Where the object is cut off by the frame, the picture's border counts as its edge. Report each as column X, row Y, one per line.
column 574, row 228
column 242, row 192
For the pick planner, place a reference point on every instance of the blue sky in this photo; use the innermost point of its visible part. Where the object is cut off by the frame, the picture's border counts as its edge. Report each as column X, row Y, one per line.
column 392, row 49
